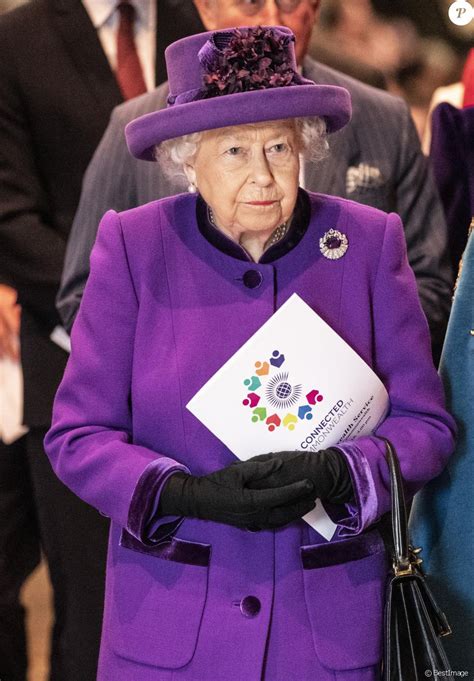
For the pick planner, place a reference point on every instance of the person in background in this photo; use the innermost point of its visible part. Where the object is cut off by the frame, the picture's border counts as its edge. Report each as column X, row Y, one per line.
column 375, row 160
column 459, row 94
column 442, row 519
column 211, row 572
column 64, row 65
column 17, row 514
column 452, row 155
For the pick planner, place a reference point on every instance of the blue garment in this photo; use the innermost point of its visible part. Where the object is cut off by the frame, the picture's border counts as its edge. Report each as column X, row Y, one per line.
column 442, row 519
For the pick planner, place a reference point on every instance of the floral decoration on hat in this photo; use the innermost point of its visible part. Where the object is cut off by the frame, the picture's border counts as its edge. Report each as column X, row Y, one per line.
column 247, row 59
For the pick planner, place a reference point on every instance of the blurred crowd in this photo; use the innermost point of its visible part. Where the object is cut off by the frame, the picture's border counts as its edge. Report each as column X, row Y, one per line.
column 408, row 48
column 411, row 48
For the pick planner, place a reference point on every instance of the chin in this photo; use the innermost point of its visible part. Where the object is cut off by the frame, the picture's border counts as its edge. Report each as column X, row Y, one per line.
column 262, row 218
column 257, row 226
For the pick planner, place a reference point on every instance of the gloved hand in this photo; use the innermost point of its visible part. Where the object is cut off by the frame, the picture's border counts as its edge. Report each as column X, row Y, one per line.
column 224, row 496
column 327, row 470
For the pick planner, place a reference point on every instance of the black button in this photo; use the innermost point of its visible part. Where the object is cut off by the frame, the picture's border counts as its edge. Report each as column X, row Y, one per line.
column 252, row 278
column 250, row 606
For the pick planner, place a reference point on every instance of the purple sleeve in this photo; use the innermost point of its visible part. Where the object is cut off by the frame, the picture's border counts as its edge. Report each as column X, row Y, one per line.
column 89, row 444
column 417, row 424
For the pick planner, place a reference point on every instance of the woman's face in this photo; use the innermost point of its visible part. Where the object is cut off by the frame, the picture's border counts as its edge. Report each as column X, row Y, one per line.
column 248, row 175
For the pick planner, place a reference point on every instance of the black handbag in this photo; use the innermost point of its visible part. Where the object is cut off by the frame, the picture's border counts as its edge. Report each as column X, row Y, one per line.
column 413, row 622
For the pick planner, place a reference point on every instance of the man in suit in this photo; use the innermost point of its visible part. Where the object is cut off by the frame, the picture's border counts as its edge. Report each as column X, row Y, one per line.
column 61, row 63
column 375, row 160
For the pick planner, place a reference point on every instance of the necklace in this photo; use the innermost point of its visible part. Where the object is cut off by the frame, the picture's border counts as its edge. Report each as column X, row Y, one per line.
column 276, row 236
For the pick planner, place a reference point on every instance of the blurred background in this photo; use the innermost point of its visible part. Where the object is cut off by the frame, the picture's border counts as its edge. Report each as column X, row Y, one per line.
column 408, row 47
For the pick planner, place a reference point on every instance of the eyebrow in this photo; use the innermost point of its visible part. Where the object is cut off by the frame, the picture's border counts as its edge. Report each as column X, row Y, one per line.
column 229, row 137
column 223, row 134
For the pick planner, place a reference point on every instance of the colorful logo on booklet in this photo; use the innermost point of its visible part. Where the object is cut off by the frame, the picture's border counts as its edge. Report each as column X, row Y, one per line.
column 274, row 399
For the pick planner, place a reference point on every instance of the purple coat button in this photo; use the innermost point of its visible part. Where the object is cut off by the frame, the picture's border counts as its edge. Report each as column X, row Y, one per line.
column 250, row 606
column 252, row 278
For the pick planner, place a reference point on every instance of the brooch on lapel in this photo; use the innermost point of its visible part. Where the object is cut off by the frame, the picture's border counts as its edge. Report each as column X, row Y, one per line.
column 333, row 244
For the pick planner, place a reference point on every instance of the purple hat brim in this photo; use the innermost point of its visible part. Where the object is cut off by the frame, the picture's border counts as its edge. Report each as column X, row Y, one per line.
column 331, row 102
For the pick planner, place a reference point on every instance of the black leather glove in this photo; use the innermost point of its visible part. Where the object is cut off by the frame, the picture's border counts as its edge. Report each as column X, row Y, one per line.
column 327, row 470
column 224, row 496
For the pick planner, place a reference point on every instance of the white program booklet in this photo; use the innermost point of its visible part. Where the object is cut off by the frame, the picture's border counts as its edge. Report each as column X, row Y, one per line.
column 294, row 385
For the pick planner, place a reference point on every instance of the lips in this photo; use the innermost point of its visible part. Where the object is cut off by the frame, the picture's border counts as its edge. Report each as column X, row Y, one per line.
column 261, row 203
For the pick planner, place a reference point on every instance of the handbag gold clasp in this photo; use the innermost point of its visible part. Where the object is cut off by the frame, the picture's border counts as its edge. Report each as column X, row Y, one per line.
column 400, row 571
column 414, row 562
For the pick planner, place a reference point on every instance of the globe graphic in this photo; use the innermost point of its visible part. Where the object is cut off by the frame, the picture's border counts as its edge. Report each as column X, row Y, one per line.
column 283, row 390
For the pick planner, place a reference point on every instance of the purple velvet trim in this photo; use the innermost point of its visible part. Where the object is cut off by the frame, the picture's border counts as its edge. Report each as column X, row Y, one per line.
column 335, row 553
column 142, row 523
column 177, row 550
column 185, row 97
column 363, row 512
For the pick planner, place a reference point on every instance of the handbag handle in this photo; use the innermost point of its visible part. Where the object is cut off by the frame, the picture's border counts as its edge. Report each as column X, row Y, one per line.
column 402, row 560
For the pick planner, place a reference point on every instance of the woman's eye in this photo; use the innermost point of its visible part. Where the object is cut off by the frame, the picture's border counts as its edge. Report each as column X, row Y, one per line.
column 279, row 148
column 234, row 151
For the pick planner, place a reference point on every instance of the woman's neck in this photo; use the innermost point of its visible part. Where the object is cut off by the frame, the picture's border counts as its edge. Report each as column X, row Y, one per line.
column 254, row 243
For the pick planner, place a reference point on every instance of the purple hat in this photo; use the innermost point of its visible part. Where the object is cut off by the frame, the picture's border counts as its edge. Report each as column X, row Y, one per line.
column 233, row 77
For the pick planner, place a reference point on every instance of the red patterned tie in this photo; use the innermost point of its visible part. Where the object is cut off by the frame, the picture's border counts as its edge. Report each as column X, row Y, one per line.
column 129, row 70
column 468, row 80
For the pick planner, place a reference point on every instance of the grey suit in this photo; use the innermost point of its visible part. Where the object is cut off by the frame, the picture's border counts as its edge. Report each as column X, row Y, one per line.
column 375, row 160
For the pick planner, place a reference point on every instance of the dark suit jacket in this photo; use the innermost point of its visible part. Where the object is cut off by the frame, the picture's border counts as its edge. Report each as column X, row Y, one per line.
column 57, row 92
column 380, row 135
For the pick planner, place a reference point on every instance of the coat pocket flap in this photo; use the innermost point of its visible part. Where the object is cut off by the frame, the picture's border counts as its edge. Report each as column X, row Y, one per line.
column 344, row 585
column 178, row 550
column 157, row 596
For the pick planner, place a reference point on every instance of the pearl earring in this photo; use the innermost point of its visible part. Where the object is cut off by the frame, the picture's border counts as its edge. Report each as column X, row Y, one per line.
column 192, row 188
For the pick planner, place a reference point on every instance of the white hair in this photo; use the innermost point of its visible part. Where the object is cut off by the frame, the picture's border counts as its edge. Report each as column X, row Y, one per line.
column 175, row 153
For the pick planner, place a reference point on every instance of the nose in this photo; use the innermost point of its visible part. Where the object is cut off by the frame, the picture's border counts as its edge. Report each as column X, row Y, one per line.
column 260, row 172
column 272, row 16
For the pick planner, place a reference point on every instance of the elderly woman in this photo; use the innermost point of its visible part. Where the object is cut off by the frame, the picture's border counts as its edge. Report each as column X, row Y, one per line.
column 211, row 573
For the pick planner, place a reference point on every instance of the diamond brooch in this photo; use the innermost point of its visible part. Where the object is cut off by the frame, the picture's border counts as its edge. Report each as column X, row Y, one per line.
column 333, row 244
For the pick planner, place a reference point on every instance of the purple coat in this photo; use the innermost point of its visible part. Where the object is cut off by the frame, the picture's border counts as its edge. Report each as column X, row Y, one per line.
column 162, row 311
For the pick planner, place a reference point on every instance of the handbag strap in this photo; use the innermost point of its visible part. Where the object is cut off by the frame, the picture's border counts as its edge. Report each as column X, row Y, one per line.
column 402, row 562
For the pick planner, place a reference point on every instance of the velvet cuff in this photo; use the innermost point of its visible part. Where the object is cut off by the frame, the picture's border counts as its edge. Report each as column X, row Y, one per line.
column 143, row 523
column 362, row 511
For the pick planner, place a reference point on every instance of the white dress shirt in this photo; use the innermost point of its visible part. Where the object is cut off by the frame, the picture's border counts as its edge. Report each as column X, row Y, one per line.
column 106, row 17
